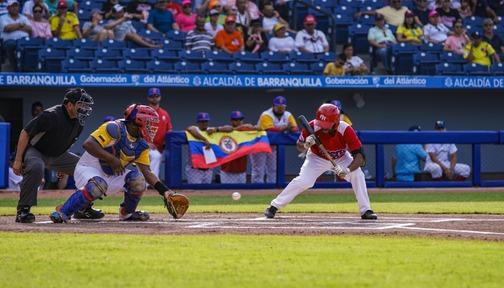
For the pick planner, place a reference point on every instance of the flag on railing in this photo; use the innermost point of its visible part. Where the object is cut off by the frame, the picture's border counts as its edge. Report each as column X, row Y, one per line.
column 226, row 147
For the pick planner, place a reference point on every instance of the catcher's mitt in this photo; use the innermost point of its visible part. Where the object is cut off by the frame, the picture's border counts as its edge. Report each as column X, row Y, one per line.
column 177, row 204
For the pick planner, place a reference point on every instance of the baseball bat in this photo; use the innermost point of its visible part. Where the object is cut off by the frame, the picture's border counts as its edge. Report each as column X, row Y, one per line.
column 305, row 124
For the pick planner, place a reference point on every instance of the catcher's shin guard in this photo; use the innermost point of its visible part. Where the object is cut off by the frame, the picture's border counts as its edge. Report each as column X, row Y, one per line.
column 134, row 189
column 94, row 189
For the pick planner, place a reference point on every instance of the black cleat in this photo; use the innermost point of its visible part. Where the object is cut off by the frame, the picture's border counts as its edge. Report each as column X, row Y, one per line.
column 23, row 215
column 369, row 215
column 135, row 216
column 270, row 212
column 89, row 213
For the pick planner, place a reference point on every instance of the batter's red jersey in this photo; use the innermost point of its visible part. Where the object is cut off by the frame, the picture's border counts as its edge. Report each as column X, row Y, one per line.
column 165, row 126
column 344, row 139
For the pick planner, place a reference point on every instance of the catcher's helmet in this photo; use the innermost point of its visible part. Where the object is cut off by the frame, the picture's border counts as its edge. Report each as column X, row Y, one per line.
column 82, row 100
column 327, row 115
column 145, row 117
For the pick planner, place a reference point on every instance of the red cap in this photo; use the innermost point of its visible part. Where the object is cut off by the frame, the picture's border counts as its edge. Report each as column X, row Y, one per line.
column 62, row 4
column 310, row 19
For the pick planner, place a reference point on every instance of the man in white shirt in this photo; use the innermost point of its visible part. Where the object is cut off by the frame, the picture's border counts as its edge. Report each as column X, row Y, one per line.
column 281, row 42
column 311, row 40
column 213, row 26
column 436, row 32
column 442, row 159
column 13, row 26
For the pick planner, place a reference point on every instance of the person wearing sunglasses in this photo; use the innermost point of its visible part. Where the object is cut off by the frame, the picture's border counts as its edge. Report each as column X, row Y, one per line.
column 456, row 43
column 490, row 37
column 40, row 26
column 381, row 39
column 29, row 5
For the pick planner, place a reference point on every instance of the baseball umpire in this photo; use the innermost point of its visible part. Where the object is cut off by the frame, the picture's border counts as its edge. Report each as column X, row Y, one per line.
column 44, row 142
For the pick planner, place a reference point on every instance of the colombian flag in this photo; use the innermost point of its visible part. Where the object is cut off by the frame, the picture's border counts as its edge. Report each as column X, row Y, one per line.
column 227, row 146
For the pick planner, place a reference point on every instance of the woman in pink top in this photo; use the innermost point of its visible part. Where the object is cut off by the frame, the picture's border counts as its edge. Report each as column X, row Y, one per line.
column 457, row 42
column 40, row 26
column 187, row 19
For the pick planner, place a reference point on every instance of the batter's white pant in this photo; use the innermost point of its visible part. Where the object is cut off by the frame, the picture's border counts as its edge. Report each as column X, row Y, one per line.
column 198, row 176
column 435, row 170
column 155, row 161
column 233, row 178
column 264, row 163
column 312, row 168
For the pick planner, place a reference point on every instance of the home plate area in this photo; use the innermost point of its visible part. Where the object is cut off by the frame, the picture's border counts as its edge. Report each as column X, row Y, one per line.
column 489, row 227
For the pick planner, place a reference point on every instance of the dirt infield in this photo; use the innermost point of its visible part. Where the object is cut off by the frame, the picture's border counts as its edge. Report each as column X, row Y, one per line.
column 483, row 227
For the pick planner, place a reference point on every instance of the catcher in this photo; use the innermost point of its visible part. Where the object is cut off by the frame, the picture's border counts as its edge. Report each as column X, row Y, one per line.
column 117, row 159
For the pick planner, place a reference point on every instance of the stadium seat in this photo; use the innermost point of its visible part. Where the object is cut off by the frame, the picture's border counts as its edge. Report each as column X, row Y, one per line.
column 475, row 69
column 375, row 4
column 247, row 57
column 497, row 69
column 56, row 43
column 275, row 57
column 161, row 66
column 303, row 57
column 104, row 66
column 453, row 58
column 76, row 66
column 176, row 35
column 270, row 68
column 137, row 54
column 215, row 68
column 344, row 10
column 358, row 36
column 193, row 56
column 354, row 4
column 188, row 67
column 83, row 15
column 432, row 48
column 154, row 36
column 109, row 54
column 402, row 58
column 27, row 53
column 50, row 59
column 474, row 21
column 317, row 68
column 425, row 63
column 84, row 44
column 242, row 68
column 367, row 20
column 220, row 57
column 326, row 57
column 449, row 69
column 343, row 21
column 81, row 54
column 165, row 55
column 172, row 45
column 133, row 66
column 297, row 68
column 111, row 44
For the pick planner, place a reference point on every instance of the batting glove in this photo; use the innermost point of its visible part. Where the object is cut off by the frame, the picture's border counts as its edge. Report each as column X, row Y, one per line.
column 340, row 171
column 310, row 141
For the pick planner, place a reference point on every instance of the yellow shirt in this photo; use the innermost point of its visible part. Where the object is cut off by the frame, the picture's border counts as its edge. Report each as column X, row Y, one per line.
column 332, row 70
column 67, row 30
column 410, row 34
column 481, row 53
column 268, row 120
column 393, row 16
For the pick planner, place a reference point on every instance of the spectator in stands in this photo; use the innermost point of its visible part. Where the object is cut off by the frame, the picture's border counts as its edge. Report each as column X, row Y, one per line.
column 3, row 7
column 53, row 5
column 107, row 8
column 311, row 40
column 28, row 9
column 410, row 32
column 479, row 51
column 139, row 10
column 436, row 32
column 36, row 108
column 94, row 28
column 393, row 13
column 213, row 26
column 243, row 17
column 497, row 6
column 381, row 39
column 447, row 14
column 335, row 68
column 465, row 9
column 421, row 12
column 271, row 17
column 187, row 19
column 250, row 6
column 354, row 65
column 281, row 42
column 199, row 39
column 480, row 8
column 406, row 162
column 160, row 19
column 490, row 37
column 173, row 7
column 13, row 26
column 457, row 42
column 65, row 24
column 229, row 39
column 40, row 26
column 257, row 41
column 442, row 159
column 124, row 30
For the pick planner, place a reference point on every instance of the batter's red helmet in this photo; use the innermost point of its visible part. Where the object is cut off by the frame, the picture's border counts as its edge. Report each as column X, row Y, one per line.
column 327, row 116
column 145, row 117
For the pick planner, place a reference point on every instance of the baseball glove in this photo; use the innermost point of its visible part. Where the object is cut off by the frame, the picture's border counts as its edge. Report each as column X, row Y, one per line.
column 177, row 204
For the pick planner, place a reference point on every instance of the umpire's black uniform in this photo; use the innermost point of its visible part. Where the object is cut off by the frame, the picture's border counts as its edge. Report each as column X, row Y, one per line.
column 50, row 136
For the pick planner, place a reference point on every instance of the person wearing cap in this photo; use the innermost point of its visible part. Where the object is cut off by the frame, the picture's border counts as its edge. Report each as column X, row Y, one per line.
column 53, row 5
column 447, row 14
column 40, row 26
column 108, row 8
column 13, row 26
column 281, row 42
column 164, row 126
column 270, row 18
column 44, row 142
column 173, row 7
column 235, row 172
column 442, row 159
column 456, row 43
column 381, row 39
column 161, row 19
column 393, row 13
column 275, row 119
column 490, row 37
column 28, row 9
column 94, row 29
column 479, row 52
column 436, row 32
column 212, row 26
column 229, row 40
column 407, row 159
column 138, row 10
column 410, row 32
column 124, row 30
column 187, row 19
column 256, row 38
column 65, row 24
column 199, row 39
column 243, row 17
column 311, row 40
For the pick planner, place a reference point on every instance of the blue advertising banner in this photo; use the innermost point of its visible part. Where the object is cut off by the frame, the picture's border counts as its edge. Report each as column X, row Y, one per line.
column 249, row 81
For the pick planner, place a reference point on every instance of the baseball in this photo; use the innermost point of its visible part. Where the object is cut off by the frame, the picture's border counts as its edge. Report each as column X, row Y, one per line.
column 236, row 195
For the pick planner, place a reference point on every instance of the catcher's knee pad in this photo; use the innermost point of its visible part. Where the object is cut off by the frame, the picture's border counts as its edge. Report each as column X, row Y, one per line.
column 134, row 188
column 96, row 188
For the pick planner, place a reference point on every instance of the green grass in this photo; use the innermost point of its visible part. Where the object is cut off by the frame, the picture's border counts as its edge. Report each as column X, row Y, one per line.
column 105, row 260
column 439, row 203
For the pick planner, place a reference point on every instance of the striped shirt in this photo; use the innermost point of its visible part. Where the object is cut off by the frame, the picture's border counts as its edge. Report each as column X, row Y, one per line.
column 199, row 40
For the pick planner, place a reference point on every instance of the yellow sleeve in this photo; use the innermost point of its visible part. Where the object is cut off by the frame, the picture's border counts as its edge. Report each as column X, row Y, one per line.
column 292, row 121
column 143, row 158
column 467, row 49
column 419, row 32
column 74, row 19
column 54, row 22
column 347, row 120
column 400, row 30
column 328, row 69
column 103, row 137
column 490, row 49
column 265, row 122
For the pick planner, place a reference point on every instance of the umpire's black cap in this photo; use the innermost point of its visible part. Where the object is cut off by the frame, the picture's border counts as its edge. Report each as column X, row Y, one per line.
column 75, row 95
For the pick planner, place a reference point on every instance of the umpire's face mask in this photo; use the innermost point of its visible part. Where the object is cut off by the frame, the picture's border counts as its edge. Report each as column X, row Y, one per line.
column 84, row 110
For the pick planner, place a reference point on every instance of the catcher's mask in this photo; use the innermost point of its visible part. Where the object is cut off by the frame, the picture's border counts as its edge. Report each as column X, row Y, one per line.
column 145, row 118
